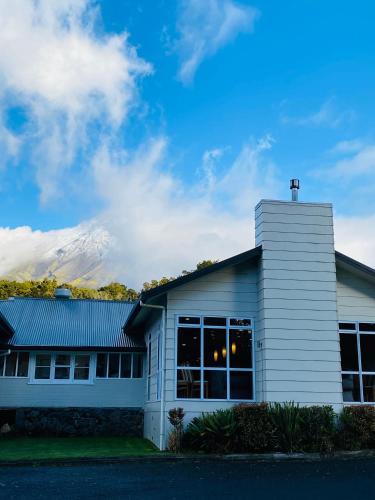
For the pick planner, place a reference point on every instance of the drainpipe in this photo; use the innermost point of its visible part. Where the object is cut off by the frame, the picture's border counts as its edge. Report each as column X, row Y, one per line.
column 162, row 398
column 5, row 353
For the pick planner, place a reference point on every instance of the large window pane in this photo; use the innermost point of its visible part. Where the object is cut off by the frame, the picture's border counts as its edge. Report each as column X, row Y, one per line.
column 188, row 384
column 215, row 384
column 347, row 326
column 10, row 366
column 240, row 348
column 42, row 366
column 349, row 352
column 188, row 320
column 137, row 365
column 113, row 365
column 212, row 321
column 126, row 361
column 241, row 385
column 101, row 365
column 23, row 364
column 350, row 388
column 189, row 346
column 62, row 367
column 240, row 322
column 368, row 352
column 367, row 327
column 215, row 348
column 368, row 382
column 82, row 367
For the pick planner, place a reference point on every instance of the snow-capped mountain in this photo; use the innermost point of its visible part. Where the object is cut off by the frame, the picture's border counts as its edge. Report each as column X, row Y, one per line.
column 78, row 256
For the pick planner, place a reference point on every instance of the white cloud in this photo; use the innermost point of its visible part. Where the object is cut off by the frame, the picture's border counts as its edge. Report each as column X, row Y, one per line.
column 355, row 237
column 53, row 63
column 328, row 115
column 156, row 225
column 361, row 162
column 205, row 27
column 161, row 226
column 348, row 146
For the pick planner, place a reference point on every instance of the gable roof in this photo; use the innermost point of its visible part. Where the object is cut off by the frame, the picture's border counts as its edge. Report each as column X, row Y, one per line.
column 67, row 324
column 349, row 263
column 145, row 296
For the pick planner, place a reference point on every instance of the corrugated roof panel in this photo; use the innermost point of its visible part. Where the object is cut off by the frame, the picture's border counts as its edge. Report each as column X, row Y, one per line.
column 68, row 323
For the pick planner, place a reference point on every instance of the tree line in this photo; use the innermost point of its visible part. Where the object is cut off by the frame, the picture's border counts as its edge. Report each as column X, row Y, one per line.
column 45, row 288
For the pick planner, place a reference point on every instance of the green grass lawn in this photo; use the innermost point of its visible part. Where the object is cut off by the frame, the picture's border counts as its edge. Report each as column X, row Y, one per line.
column 34, row 448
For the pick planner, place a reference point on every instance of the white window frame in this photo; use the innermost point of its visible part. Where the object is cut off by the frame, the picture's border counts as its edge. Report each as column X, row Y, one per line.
column 158, row 366
column 2, row 374
column 202, row 368
column 360, row 372
column 131, row 354
column 51, row 379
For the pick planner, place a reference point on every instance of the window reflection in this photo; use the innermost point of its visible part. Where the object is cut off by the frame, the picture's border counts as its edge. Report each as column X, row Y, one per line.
column 350, row 388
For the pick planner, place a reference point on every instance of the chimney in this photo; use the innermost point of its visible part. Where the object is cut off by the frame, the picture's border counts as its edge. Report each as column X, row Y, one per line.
column 63, row 293
column 298, row 346
column 294, row 186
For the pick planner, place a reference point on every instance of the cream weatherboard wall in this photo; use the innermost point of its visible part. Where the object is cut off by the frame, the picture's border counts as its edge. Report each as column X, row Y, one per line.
column 297, row 332
column 231, row 292
column 101, row 393
column 355, row 297
column 152, row 405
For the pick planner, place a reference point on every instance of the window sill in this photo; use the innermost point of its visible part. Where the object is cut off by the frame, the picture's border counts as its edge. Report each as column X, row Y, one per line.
column 62, row 382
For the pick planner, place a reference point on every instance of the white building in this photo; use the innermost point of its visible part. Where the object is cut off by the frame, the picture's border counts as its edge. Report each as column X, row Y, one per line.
column 290, row 319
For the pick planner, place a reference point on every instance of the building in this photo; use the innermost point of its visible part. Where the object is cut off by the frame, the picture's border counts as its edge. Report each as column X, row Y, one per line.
column 290, row 319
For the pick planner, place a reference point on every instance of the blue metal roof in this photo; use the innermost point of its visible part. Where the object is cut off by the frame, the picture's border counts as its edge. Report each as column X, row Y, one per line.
column 68, row 323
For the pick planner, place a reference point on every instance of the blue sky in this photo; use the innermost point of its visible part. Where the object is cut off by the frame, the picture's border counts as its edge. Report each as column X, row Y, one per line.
column 203, row 107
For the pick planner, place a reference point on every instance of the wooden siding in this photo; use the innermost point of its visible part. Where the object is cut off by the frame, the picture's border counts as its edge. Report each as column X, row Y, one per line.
column 298, row 346
column 355, row 297
column 105, row 393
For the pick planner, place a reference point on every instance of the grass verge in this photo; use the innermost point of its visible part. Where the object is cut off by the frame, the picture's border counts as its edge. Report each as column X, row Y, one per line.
column 35, row 448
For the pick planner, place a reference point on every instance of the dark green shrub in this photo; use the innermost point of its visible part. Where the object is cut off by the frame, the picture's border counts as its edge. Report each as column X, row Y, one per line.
column 286, row 419
column 356, row 427
column 212, row 432
column 256, row 431
column 176, row 418
column 317, row 429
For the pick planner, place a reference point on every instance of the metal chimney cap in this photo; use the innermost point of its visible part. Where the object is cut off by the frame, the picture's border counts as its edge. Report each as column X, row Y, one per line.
column 294, row 183
column 63, row 293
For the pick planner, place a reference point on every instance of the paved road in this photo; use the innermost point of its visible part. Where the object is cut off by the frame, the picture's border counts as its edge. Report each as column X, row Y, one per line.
column 350, row 479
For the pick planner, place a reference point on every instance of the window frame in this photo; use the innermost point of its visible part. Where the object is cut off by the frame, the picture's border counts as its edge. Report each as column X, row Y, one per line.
column 71, row 380
column 360, row 371
column 2, row 375
column 227, row 368
column 132, row 356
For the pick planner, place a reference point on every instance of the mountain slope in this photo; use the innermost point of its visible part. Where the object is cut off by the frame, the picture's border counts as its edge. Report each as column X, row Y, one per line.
column 81, row 260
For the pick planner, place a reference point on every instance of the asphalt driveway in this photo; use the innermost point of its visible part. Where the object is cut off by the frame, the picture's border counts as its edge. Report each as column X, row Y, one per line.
column 344, row 479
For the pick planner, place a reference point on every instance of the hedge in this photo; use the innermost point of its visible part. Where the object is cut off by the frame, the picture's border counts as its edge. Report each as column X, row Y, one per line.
column 262, row 427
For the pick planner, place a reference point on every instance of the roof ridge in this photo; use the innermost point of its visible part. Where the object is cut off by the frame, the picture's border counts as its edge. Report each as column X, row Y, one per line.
column 53, row 299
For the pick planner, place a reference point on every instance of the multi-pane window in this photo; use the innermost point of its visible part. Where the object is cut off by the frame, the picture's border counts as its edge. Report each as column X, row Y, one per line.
column 119, row 365
column 62, row 367
column 357, row 343
column 16, row 364
column 215, row 358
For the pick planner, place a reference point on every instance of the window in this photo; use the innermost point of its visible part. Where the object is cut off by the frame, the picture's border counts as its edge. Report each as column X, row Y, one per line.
column 357, row 343
column 62, row 368
column 214, row 358
column 116, row 365
column 16, row 364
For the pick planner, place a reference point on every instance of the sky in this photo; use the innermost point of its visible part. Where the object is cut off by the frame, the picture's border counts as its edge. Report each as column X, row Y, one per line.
column 162, row 123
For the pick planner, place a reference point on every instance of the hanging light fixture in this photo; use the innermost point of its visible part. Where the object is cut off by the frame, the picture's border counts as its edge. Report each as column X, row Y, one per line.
column 234, row 348
column 224, row 352
column 216, row 355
